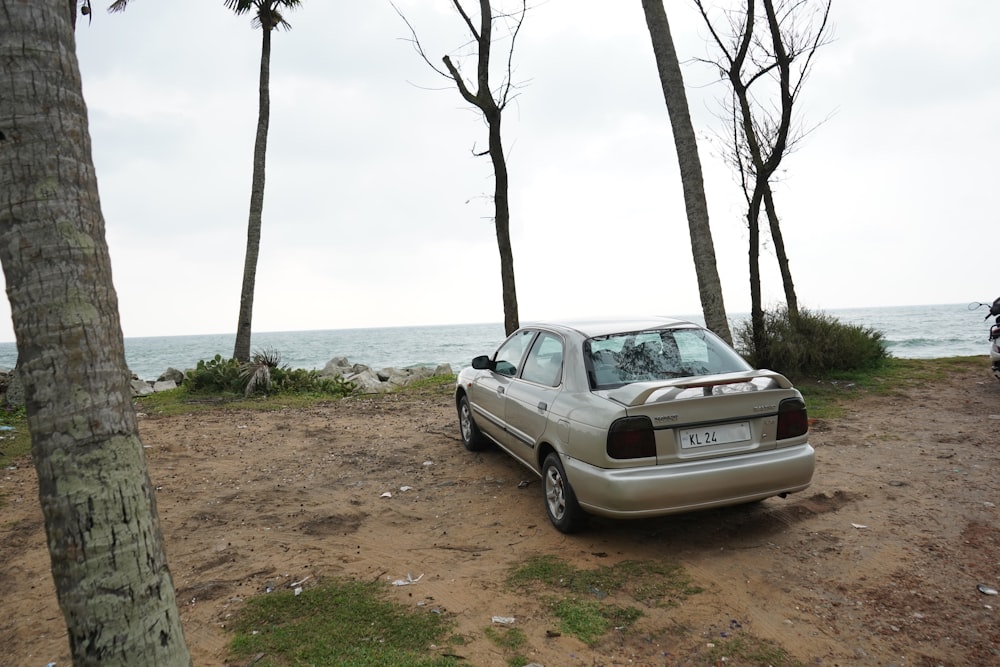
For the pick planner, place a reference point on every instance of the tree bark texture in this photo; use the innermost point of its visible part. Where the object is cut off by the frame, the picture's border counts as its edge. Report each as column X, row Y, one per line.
column 104, row 536
column 791, row 300
column 761, row 351
column 685, row 141
column 501, row 202
column 241, row 350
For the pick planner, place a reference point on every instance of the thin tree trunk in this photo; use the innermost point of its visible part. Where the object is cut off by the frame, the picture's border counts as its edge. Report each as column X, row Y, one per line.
column 483, row 99
column 685, row 141
column 791, row 301
column 761, row 352
column 500, row 197
column 241, row 350
column 104, row 535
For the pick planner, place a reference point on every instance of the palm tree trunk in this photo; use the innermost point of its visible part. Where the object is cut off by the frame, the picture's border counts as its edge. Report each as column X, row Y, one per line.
column 104, row 534
column 241, row 350
column 686, row 144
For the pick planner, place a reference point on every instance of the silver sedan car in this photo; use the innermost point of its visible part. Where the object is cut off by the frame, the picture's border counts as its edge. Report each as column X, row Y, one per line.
column 636, row 419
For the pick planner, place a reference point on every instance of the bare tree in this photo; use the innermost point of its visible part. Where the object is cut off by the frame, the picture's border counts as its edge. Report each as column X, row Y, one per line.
column 478, row 92
column 763, row 129
column 686, row 144
column 104, row 535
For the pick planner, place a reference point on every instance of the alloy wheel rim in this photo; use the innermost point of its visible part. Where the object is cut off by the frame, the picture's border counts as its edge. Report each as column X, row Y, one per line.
column 466, row 422
column 554, row 493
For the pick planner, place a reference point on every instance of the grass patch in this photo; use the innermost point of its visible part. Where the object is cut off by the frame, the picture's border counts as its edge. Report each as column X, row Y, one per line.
column 509, row 639
column 432, row 385
column 585, row 600
column 343, row 623
column 827, row 396
column 750, row 652
column 653, row 583
column 183, row 400
column 15, row 441
column 590, row 620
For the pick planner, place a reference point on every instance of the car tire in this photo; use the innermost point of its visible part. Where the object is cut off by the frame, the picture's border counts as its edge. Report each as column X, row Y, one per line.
column 472, row 438
column 560, row 500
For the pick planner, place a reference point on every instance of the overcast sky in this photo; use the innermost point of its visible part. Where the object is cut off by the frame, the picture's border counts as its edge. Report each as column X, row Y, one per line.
column 377, row 214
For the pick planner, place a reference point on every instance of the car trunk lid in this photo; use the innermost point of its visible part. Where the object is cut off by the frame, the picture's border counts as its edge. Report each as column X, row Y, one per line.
column 710, row 415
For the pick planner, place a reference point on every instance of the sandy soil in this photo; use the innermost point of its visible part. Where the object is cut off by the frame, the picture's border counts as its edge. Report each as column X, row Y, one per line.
column 876, row 564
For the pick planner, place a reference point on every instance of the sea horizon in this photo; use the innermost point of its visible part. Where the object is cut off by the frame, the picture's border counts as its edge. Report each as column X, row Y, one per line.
column 921, row 331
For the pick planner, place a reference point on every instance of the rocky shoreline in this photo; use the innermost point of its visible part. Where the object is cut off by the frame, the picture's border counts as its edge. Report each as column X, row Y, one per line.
column 367, row 379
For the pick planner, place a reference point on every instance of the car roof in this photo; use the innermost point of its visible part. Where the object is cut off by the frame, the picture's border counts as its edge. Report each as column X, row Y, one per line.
column 603, row 327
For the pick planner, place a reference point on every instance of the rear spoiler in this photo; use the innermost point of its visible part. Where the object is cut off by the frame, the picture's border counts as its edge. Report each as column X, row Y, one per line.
column 638, row 393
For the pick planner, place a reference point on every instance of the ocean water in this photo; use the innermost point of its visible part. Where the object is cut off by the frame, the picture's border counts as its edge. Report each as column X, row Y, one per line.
column 913, row 332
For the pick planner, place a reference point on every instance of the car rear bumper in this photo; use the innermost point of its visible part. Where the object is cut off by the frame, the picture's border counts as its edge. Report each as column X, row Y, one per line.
column 681, row 487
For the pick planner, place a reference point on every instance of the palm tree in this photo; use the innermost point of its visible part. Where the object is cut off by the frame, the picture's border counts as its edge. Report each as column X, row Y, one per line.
column 267, row 15
column 105, row 542
column 702, row 246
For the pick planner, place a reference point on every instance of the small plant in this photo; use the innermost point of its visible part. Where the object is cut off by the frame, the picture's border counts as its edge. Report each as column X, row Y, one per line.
column 256, row 374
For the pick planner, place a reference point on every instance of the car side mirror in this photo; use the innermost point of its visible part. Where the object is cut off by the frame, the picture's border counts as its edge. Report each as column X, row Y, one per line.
column 482, row 363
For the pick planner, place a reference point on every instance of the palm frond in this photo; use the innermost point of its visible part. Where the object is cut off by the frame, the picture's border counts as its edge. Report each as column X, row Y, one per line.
column 256, row 373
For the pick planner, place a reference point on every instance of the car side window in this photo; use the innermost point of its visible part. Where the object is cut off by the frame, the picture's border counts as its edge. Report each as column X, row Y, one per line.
column 508, row 357
column 544, row 362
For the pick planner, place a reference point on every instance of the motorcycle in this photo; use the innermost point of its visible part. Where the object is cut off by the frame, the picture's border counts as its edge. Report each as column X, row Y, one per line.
column 994, row 334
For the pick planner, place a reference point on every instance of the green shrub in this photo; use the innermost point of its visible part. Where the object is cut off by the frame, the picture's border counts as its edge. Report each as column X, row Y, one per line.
column 216, row 375
column 816, row 345
column 262, row 375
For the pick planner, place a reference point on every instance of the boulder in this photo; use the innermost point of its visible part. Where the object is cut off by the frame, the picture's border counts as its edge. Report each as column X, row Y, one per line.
column 370, row 381
column 141, row 387
column 172, row 375
column 164, row 385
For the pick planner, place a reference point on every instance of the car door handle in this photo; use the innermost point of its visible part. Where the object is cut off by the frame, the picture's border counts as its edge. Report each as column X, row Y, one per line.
column 499, row 391
column 542, row 406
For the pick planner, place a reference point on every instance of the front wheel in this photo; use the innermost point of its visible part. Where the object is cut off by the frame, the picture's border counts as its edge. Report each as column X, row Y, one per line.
column 560, row 501
column 472, row 438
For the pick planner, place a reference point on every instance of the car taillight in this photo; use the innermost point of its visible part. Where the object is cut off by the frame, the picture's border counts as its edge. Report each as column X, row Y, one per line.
column 631, row 438
column 792, row 419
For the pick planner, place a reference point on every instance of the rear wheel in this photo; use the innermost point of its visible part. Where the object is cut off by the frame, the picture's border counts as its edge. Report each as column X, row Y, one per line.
column 560, row 501
column 472, row 438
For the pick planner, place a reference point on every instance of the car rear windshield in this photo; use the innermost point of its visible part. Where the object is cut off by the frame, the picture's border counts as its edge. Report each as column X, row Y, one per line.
column 659, row 354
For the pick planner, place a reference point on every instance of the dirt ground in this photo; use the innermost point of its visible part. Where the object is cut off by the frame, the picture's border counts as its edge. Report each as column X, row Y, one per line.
column 877, row 563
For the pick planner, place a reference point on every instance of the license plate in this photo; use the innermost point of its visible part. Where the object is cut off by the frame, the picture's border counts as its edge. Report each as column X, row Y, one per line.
column 715, row 435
